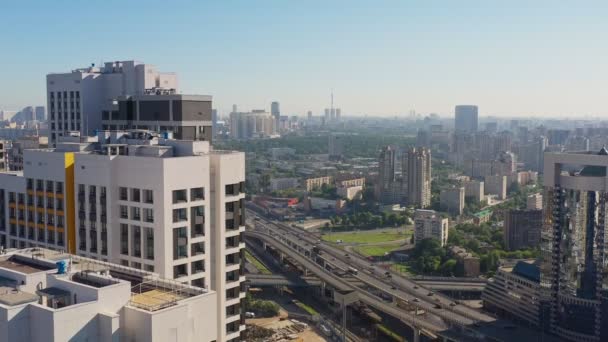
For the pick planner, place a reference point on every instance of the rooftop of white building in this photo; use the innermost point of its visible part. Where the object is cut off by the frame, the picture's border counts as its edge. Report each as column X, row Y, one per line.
column 38, row 275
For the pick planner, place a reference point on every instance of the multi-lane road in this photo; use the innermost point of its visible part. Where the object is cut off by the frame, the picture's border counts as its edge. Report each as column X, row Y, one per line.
column 443, row 317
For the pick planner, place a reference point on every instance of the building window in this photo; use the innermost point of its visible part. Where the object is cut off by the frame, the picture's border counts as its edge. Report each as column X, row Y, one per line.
column 136, row 241
column 135, row 213
column 124, row 239
column 135, row 195
column 124, row 212
column 59, row 187
column 149, row 268
column 180, row 243
column 148, row 215
column 197, row 222
column 180, row 196
column 148, row 196
column 123, row 194
column 180, row 271
column 180, row 215
column 197, row 267
column 197, row 194
column 197, row 248
column 149, row 243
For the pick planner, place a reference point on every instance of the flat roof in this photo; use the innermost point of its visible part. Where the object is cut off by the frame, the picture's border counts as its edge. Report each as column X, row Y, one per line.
column 12, row 296
column 15, row 263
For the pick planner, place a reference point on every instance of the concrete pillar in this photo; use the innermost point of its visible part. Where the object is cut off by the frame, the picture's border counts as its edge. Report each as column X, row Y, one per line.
column 416, row 334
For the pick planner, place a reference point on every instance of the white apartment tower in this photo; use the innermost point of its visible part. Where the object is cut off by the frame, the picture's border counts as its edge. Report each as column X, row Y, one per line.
column 76, row 99
column 429, row 224
column 123, row 197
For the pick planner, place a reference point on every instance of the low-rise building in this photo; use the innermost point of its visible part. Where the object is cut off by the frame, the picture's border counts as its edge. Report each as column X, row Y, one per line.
column 515, row 292
column 343, row 181
column 482, row 216
column 350, row 192
column 317, row 182
column 451, row 200
column 429, row 224
column 48, row 296
column 467, row 262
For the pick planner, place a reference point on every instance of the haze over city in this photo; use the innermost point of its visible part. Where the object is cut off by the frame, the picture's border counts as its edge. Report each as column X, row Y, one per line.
column 381, row 58
column 319, row 171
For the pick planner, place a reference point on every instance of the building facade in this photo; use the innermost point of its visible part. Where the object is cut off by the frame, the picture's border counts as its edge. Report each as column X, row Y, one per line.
column 429, row 224
column 76, row 99
column 418, row 170
column 452, row 200
column 186, row 117
column 573, row 272
column 522, row 229
column 466, row 118
column 123, row 197
column 514, row 292
column 50, row 296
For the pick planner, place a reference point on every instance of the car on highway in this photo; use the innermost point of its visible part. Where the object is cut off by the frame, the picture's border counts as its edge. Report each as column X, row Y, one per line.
column 430, row 293
column 416, row 300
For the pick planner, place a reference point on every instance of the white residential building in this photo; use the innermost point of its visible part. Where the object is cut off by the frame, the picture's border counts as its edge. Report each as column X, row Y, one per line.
column 48, row 296
column 124, row 197
column 429, row 224
column 76, row 99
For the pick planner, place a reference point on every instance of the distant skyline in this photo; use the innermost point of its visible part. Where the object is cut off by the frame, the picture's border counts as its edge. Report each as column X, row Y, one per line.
column 516, row 58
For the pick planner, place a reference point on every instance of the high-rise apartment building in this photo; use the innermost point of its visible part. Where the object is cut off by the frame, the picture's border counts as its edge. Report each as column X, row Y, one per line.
column 573, row 274
column 123, row 197
column 336, row 146
column 417, row 166
column 429, row 224
column 275, row 111
column 389, row 188
column 251, row 125
column 76, row 99
column 466, row 119
column 451, row 200
column 475, row 190
column 522, row 229
column 496, row 185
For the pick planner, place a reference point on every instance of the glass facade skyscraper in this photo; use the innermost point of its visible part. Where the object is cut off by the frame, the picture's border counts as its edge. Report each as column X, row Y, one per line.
column 574, row 278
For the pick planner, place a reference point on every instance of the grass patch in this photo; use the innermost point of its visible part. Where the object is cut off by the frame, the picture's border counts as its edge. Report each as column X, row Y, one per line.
column 389, row 333
column 368, row 236
column 402, row 268
column 256, row 263
column 378, row 250
column 306, row 308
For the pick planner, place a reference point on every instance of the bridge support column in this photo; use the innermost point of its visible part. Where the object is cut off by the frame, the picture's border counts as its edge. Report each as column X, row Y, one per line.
column 416, row 334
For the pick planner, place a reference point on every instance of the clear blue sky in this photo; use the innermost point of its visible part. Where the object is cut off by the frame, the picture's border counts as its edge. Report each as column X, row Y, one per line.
column 380, row 57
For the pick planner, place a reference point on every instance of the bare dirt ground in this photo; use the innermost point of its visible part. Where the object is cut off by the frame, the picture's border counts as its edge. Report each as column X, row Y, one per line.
column 281, row 321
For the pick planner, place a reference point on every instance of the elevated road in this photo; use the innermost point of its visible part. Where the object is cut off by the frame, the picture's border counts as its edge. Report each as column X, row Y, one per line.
column 443, row 317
